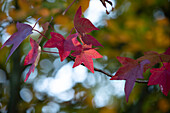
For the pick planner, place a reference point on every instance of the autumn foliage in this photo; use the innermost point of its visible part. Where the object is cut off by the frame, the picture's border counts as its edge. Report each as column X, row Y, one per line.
column 82, row 48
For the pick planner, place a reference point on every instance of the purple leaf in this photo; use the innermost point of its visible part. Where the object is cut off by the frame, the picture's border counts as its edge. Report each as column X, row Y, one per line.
column 130, row 71
column 23, row 31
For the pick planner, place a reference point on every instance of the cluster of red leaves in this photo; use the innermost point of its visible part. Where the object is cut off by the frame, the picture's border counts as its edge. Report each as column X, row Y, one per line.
column 83, row 50
column 133, row 69
column 82, row 46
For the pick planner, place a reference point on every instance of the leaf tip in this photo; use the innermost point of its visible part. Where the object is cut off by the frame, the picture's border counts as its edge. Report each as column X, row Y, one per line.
column 92, row 70
column 127, row 99
column 25, row 80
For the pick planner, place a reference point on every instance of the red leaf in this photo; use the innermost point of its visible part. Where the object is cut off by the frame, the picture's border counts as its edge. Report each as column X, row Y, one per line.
column 64, row 45
column 71, row 42
column 85, row 56
column 29, row 72
column 154, row 58
column 88, row 39
column 23, row 31
column 161, row 76
column 130, row 71
column 83, row 25
column 57, row 41
column 32, row 57
column 167, row 52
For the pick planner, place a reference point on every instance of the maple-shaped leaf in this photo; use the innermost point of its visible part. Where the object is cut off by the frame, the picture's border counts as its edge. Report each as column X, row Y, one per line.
column 23, row 31
column 83, row 25
column 32, row 57
column 88, row 39
column 64, row 45
column 161, row 76
column 130, row 71
column 154, row 58
column 57, row 41
column 85, row 56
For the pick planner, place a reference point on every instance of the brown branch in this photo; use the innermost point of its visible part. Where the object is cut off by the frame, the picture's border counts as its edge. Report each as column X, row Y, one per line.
column 49, row 51
column 101, row 71
column 142, row 81
column 109, row 75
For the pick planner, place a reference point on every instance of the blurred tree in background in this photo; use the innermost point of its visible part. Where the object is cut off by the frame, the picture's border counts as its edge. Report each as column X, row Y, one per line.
column 135, row 26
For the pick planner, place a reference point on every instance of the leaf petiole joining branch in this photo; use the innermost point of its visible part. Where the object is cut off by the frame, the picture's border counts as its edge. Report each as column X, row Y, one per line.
column 81, row 39
column 109, row 75
column 41, row 34
column 162, row 61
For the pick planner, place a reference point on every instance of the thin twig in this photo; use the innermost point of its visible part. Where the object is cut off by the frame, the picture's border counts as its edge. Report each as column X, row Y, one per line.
column 68, row 7
column 142, row 81
column 71, row 30
column 41, row 34
column 49, row 51
column 101, row 71
column 50, row 24
column 36, row 22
